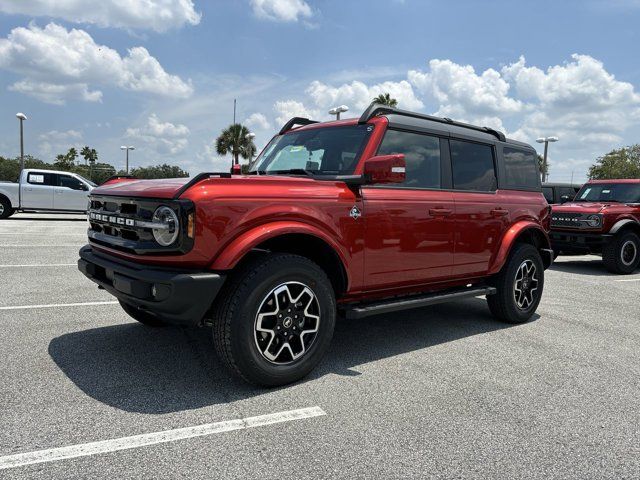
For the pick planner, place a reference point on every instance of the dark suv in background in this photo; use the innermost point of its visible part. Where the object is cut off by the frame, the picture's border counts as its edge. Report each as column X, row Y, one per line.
column 556, row 193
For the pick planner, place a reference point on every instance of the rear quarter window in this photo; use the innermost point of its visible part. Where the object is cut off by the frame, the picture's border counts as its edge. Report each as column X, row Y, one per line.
column 521, row 168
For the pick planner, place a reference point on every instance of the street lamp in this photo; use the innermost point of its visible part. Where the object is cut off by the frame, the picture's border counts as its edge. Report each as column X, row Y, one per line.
column 338, row 110
column 546, row 141
column 126, row 149
column 22, row 117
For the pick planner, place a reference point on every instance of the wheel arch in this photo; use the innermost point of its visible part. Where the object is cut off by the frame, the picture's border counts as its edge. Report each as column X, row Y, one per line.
column 289, row 237
column 522, row 232
column 624, row 225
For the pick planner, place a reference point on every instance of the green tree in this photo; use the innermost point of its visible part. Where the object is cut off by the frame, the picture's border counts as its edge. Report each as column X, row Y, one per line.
column 620, row 163
column 386, row 99
column 233, row 140
column 89, row 154
column 159, row 171
column 10, row 167
column 67, row 161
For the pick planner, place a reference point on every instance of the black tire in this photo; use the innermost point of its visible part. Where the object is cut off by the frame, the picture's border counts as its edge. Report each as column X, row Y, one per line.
column 622, row 254
column 143, row 317
column 505, row 304
column 252, row 290
column 5, row 208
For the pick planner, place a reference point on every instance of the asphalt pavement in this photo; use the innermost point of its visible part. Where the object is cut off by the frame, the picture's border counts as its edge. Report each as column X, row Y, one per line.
column 440, row 392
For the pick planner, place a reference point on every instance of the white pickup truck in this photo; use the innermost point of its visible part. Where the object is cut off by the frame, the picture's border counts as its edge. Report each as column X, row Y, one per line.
column 45, row 190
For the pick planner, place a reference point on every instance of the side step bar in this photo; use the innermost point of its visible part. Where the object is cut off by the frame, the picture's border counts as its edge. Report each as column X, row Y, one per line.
column 415, row 302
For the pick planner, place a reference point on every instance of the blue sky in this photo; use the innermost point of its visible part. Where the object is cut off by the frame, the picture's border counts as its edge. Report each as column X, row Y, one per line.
column 163, row 77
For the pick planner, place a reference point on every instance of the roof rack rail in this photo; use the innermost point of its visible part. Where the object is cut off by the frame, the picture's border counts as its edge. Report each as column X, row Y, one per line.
column 198, row 178
column 295, row 121
column 378, row 109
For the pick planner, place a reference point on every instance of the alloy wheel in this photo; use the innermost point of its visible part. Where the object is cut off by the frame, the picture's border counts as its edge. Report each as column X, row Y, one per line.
column 526, row 285
column 287, row 322
column 628, row 252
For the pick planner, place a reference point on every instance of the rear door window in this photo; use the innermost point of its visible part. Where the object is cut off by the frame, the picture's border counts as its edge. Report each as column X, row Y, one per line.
column 421, row 153
column 473, row 166
column 41, row 178
column 567, row 191
column 548, row 194
column 521, row 168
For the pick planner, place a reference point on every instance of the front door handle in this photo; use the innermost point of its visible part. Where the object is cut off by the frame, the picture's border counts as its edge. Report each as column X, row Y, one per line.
column 499, row 212
column 440, row 212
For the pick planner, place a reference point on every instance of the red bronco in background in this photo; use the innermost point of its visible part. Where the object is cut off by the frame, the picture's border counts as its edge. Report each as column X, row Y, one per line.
column 604, row 218
column 328, row 219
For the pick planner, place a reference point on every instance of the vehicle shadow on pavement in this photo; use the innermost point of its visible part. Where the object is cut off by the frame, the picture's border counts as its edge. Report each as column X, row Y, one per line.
column 139, row 369
column 590, row 267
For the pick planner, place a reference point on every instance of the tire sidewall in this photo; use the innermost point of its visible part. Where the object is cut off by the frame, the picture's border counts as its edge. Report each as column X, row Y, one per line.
column 525, row 252
column 245, row 351
column 622, row 240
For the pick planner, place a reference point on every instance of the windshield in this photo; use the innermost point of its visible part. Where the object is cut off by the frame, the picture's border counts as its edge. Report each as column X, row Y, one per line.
column 327, row 151
column 609, row 192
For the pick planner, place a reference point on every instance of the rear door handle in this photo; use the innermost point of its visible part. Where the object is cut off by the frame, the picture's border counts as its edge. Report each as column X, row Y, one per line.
column 499, row 212
column 440, row 212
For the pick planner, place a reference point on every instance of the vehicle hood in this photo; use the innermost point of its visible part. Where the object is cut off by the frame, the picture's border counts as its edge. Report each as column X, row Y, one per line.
column 580, row 207
column 161, row 188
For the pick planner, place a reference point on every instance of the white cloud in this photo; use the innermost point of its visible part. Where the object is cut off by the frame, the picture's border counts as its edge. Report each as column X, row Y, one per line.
column 164, row 138
column 287, row 109
column 158, row 15
column 460, row 91
column 59, row 64
column 54, row 142
column 282, row 10
column 257, row 121
column 357, row 95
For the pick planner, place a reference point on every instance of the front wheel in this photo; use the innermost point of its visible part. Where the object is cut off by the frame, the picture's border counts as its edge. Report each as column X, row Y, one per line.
column 275, row 319
column 622, row 254
column 519, row 286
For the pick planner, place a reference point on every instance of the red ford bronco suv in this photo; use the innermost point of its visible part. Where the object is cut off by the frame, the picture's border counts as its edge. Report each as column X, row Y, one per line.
column 391, row 211
column 604, row 218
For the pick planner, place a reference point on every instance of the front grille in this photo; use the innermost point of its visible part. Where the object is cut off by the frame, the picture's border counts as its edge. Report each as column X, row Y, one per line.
column 571, row 220
column 122, row 224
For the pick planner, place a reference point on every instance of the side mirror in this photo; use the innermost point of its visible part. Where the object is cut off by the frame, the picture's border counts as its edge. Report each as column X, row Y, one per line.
column 385, row 169
column 565, row 198
column 236, row 169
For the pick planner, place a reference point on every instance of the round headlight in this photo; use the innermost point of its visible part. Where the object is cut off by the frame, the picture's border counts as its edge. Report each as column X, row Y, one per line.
column 168, row 233
column 594, row 220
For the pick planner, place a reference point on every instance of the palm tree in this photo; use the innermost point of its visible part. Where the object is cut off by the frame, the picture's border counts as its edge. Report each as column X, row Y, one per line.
column 234, row 140
column 386, row 99
column 90, row 155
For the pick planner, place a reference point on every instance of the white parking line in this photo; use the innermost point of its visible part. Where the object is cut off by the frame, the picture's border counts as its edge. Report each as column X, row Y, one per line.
column 57, row 305
column 629, row 280
column 45, row 245
column 47, row 234
column 41, row 265
column 137, row 441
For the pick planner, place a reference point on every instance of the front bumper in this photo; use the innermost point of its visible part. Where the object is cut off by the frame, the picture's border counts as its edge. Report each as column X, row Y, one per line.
column 178, row 297
column 578, row 242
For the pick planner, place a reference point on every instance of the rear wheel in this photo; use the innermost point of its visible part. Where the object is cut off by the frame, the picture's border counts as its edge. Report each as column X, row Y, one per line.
column 519, row 285
column 143, row 317
column 622, row 253
column 5, row 208
column 275, row 320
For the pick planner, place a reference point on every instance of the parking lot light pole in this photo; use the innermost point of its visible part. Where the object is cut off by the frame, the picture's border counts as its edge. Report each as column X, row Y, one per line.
column 22, row 117
column 546, row 141
column 126, row 149
column 338, row 110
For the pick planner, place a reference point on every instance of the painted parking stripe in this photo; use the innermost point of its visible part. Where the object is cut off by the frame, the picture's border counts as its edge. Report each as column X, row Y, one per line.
column 166, row 436
column 45, row 245
column 629, row 280
column 57, row 305
column 41, row 265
